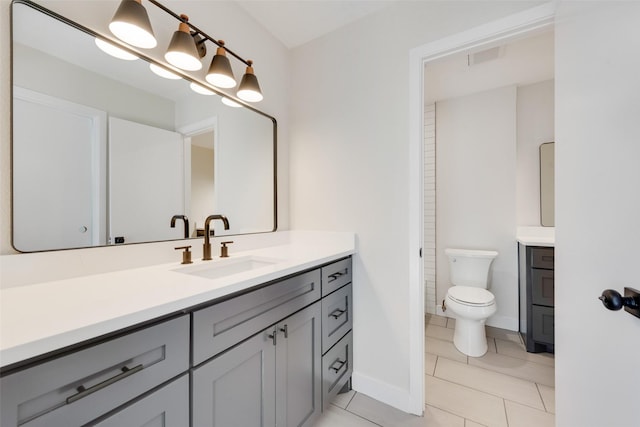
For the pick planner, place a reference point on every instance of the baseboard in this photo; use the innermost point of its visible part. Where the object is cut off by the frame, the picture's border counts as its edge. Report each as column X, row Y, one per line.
column 386, row 393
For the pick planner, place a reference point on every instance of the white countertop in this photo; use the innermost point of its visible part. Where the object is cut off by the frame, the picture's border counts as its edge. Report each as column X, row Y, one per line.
column 42, row 317
column 536, row 236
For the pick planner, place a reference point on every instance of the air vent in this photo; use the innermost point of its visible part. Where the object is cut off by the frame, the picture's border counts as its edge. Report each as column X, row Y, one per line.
column 485, row 55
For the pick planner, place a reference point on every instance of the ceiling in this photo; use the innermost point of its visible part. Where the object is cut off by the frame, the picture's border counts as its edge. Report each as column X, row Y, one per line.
column 296, row 22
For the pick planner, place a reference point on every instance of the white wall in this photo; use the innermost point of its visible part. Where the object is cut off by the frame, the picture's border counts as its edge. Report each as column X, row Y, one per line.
column 350, row 165
column 535, row 127
column 476, row 191
column 220, row 19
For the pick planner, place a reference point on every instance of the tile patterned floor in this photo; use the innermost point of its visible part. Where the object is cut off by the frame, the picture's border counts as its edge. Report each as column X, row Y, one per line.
column 507, row 387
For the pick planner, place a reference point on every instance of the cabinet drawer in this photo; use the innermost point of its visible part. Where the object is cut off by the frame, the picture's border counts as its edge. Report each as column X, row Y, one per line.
column 335, row 276
column 337, row 366
column 168, row 406
column 337, row 316
column 542, row 287
column 543, row 323
column 223, row 325
column 542, row 258
column 77, row 388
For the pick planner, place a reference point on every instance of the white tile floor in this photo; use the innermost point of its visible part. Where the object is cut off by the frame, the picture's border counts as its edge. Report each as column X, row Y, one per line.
column 507, row 387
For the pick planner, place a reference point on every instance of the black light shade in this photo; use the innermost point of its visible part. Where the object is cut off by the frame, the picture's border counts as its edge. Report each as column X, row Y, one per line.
column 131, row 24
column 183, row 52
column 249, row 89
column 220, row 73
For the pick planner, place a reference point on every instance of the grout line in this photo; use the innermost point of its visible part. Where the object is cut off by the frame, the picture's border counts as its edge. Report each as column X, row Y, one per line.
column 350, row 400
column 506, row 415
column 541, row 398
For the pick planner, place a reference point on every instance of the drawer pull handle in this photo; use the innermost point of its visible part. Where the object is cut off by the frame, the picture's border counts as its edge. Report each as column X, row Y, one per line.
column 340, row 364
column 84, row 392
column 335, row 275
column 337, row 313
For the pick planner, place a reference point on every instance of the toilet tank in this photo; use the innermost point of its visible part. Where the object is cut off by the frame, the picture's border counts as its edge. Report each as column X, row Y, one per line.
column 469, row 267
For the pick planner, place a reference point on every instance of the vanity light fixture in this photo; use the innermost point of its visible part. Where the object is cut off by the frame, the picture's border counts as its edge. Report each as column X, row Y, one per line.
column 220, row 73
column 183, row 51
column 131, row 24
column 201, row 89
column 114, row 51
column 188, row 45
column 249, row 89
column 164, row 73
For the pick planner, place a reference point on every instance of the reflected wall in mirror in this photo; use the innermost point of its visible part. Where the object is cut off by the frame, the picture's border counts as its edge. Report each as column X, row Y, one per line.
column 106, row 152
column 547, row 184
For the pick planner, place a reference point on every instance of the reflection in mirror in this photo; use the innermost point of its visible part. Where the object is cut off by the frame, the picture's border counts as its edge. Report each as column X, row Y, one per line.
column 106, row 152
column 547, row 186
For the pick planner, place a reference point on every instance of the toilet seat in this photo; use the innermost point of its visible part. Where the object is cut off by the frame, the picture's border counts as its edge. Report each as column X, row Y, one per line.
column 471, row 296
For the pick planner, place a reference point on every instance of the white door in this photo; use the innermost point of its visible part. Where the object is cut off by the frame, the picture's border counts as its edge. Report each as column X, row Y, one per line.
column 146, row 182
column 597, row 212
column 58, row 173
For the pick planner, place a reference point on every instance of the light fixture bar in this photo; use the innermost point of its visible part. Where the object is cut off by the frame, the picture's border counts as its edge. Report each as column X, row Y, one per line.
column 199, row 31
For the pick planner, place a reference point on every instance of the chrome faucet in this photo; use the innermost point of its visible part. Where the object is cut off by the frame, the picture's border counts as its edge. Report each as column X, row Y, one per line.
column 186, row 224
column 206, row 248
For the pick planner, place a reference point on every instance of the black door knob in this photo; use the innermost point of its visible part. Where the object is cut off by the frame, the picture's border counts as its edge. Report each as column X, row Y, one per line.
column 614, row 301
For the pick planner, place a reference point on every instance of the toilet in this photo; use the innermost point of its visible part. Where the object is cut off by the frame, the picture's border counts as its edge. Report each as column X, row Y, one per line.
column 468, row 300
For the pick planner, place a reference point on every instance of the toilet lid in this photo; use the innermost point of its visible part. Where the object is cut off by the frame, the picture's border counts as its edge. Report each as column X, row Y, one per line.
column 469, row 295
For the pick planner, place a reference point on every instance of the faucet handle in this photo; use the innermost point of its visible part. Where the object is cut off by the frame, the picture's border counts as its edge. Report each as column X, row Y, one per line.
column 186, row 255
column 224, row 251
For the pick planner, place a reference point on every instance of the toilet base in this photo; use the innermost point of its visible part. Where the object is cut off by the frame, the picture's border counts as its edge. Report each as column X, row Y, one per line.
column 470, row 337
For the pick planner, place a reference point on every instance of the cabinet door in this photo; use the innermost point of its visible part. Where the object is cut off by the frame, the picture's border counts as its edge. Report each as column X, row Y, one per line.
column 166, row 407
column 299, row 365
column 236, row 389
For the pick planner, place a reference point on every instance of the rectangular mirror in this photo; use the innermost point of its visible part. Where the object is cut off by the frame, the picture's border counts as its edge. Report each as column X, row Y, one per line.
column 106, row 152
column 547, row 184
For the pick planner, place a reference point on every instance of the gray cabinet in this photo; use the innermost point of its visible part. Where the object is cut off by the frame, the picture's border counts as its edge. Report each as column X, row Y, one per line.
column 225, row 324
column 77, row 388
column 337, row 323
column 271, row 379
column 166, row 407
column 270, row 356
column 537, row 297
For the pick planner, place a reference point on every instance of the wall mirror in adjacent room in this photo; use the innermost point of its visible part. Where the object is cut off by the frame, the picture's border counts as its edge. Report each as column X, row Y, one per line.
column 547, row 184
column 105, row 152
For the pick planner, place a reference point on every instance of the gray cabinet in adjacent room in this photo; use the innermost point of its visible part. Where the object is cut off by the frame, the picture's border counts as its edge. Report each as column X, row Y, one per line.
column 537, row 289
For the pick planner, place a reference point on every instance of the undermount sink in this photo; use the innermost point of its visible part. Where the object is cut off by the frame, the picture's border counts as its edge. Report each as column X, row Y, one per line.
column 227, row 267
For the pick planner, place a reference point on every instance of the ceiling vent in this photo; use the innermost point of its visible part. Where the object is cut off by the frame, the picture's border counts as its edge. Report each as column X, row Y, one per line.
column 485, row 55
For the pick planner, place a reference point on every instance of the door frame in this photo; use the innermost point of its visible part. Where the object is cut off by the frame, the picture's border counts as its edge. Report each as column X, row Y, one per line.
column 525, row 23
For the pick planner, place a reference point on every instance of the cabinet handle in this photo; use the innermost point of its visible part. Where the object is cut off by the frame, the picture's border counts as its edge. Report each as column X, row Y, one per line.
column 285, row 329
column 273, row 336
column 338, row 362
column 337, row 274
column 337, row 313
column 84, row 392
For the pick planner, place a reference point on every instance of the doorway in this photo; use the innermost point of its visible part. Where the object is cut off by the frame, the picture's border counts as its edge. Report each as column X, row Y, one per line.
column 525, row 23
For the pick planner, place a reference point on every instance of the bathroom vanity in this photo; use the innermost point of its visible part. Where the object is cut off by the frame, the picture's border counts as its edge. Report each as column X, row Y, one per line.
column 265, row 342
column 536, row 277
